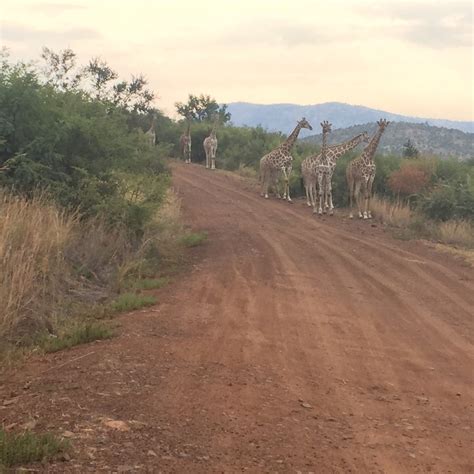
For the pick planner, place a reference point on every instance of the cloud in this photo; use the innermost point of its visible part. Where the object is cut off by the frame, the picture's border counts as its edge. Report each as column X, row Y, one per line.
column 19, row 33
column 275, row 33
column 56, row 8
column 435, row 25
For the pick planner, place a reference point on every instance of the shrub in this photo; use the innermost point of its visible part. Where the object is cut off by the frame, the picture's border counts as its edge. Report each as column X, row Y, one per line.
column 131, row 301
column 193, row 239
column 81, row 333
column 27, row 447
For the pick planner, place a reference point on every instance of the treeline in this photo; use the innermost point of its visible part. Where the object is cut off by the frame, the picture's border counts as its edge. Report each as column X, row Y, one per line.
column 85, row 205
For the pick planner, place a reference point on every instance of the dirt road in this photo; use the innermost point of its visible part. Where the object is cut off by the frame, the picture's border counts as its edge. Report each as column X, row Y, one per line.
column 296, row 344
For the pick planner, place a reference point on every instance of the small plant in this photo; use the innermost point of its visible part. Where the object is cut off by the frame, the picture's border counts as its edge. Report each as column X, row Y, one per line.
column 151, row 283
column 193, row 239
column 76, row 335
column 130, row 301
column 22, row 448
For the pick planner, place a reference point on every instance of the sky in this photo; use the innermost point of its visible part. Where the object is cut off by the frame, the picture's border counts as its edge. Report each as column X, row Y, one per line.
column 412, row 57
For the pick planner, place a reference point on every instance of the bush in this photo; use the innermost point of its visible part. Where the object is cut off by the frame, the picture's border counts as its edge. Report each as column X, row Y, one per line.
column 27, row 447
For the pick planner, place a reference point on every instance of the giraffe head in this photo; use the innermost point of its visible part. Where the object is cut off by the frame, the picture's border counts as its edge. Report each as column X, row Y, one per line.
column 326, row 126
column 365, row 137
column 382, row 123
column 305, row 124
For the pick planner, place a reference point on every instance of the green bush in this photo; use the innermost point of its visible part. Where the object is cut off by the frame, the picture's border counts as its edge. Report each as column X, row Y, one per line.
column 27, row 447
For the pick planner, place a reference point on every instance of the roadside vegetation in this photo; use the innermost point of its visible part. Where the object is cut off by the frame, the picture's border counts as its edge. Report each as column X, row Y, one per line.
column 27, row 447
column 88, row 220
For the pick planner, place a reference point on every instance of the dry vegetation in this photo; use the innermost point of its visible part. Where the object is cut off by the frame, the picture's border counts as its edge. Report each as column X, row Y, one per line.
column 410, row 224
column 58, row 269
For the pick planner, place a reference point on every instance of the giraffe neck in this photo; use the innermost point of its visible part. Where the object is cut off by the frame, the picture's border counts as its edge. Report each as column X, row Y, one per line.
column 324, row 145
column 287, row 145
column 370, row 149
column 188, row 129
column 339, row 150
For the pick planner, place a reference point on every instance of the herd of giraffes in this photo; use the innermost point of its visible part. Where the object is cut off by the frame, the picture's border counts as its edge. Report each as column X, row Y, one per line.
column 317, row 170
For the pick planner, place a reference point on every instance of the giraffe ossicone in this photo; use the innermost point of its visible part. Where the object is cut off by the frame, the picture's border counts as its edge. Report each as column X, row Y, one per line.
column 279, row 161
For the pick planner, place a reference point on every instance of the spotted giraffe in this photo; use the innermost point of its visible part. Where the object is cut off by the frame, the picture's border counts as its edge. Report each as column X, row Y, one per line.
column 210, row 147
column 150, row 133
column 309, row 169
column 279, row 161
column 360, row 173
column 185, row 143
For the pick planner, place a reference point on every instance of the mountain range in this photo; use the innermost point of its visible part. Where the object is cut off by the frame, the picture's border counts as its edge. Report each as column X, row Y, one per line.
column 427, row 139
column 282, row 117
column 437, row 136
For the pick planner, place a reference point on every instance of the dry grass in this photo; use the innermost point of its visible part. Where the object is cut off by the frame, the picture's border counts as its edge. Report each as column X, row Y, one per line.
column 394, row 214
column 456, row 233
column 411, row 225
column 33, row 239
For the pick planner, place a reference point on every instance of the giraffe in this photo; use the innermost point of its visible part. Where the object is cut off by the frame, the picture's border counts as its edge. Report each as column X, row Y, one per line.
column 360, row 173
column 210, row 147
column 150, row 133
column 322, row 169
column 185, row 143
column 279, row 161
column 309, row 168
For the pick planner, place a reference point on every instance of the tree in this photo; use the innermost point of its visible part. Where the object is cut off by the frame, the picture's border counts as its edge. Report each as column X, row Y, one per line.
column 61, row 70
column 130, row 95
column 409, row 150
column 410, row 179
column 202, row 108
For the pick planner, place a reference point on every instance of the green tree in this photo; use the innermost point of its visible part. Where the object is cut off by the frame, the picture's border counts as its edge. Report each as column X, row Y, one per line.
column 410, row 150
column 202, row 108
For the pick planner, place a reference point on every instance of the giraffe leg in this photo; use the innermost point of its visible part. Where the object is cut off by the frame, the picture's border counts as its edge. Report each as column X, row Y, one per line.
column 307, row 191
column 366, row 200
column 350, row 187
column 213, row 164
column 357, row 197
column 369, row 196
column 320, row 194
column 331, row 206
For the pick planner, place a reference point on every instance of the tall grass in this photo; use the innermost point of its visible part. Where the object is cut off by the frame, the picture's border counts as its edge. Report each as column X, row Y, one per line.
column 396, row 214
column 53, row 264
column 412, row 224
column 33, row 239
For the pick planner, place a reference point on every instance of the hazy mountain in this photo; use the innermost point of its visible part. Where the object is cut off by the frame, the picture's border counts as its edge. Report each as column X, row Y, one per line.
column 283, row 117
column 427, row 139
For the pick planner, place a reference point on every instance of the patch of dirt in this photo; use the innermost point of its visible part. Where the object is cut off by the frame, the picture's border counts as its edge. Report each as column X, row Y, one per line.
column 296, row 343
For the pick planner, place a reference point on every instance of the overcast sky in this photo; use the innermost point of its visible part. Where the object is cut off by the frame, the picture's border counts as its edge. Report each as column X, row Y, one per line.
column 411, row 57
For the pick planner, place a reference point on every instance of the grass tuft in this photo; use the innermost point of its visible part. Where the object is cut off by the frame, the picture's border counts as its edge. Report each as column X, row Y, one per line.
column 150, row 283
column 193, row 239
column 23, row 448
column 131, row 301
column 81, row 334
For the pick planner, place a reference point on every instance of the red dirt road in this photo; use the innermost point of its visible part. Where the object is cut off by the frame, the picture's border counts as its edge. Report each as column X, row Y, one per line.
column 295, row 344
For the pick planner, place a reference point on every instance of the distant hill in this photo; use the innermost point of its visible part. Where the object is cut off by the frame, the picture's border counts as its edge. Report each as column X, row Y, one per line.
column 427, row 139
column 282, row 117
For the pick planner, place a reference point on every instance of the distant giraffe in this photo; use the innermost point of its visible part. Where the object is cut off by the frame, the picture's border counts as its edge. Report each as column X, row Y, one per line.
column 360, row 173
column 150, row 133
column 279, row 161
column 185, row 143
column 309, row 168
column 210, row 147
